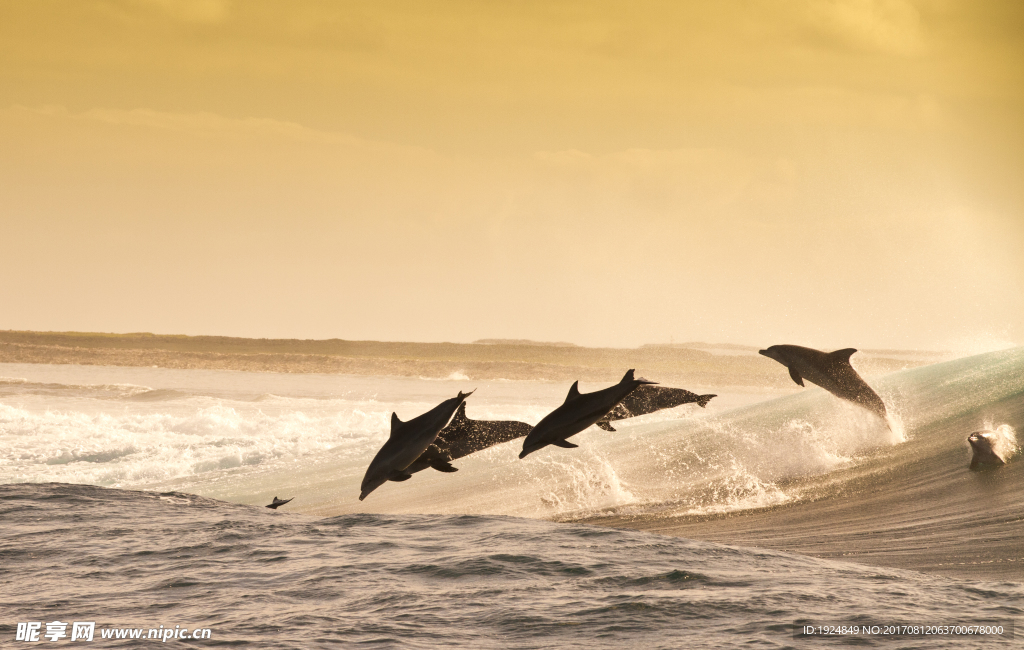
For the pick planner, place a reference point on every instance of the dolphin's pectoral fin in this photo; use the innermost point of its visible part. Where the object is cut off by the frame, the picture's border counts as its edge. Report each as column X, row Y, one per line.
column 606, row 426
column 565, row 444
column 796, row 376
column 399, row 476
column 443, row 466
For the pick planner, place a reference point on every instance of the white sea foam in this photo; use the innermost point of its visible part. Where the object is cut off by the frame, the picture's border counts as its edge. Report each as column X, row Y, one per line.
column 230, row 435
column 128, row 448
column 1004, row 440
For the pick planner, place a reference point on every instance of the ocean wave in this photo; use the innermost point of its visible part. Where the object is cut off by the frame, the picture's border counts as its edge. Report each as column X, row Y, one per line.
column 453, row 581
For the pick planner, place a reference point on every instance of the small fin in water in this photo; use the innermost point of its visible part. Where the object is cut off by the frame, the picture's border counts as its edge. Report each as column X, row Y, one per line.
column 703, row 400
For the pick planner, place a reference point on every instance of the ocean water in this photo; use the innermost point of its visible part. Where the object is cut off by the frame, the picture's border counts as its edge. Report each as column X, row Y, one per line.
column 132, row 497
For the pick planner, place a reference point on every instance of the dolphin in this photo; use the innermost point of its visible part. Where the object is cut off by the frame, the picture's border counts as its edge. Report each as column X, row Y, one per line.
column 983, row 446
column 577, row 413
column 463, row 437
column 648, row 399
column 830, row 370
column 278, row 503
column 408, row 441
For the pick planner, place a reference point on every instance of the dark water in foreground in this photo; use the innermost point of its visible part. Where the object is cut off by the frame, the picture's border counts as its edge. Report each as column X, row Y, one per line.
column 259, row 578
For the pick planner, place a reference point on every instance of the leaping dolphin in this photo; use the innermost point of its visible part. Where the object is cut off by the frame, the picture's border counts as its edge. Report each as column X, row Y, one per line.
column 648, row 399
column 983, row 446
column 408, row 441
column 463, row 437
column 830, row 370
column 577, row 413
column 277, row 503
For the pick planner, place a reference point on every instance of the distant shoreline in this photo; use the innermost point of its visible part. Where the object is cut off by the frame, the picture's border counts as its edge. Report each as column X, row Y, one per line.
column 488, row 359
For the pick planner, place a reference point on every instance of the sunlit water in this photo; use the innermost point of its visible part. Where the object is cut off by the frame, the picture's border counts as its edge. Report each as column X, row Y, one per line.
column 464, row 558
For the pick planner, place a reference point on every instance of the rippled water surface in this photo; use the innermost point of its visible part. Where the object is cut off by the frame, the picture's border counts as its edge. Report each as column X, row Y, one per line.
column 259, row 578
column 132, row 497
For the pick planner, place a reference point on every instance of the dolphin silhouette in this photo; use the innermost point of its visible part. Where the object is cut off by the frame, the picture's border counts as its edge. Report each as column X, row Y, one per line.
column 463, row 437
column 408, row 441
column 277, row 503
column 830, row 370
column 648, row 399
column 577, row 413
column 985, row 455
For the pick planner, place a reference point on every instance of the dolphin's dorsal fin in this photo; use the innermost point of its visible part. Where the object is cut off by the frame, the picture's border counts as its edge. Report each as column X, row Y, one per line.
column 842, row 355
column 574, row 391
column 395, row 422
column 275, row 498
column 796, row 376
column 629, row 375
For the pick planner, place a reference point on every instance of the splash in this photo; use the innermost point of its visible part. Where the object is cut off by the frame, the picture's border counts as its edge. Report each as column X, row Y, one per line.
column 580, row 486
column 1004, row 441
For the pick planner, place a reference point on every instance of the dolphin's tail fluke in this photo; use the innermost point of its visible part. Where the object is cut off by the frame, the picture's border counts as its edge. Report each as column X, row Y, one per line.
column 703, row 400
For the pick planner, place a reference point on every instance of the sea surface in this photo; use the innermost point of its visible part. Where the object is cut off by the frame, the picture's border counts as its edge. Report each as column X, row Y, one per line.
column 133, row 498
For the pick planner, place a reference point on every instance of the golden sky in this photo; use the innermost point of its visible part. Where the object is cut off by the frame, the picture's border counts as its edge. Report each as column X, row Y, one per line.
column 833, row 173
